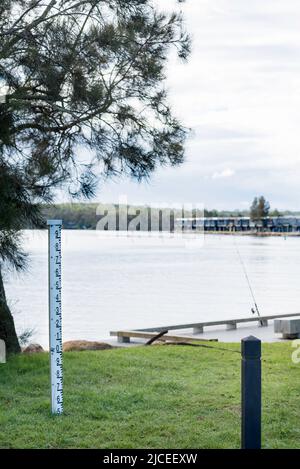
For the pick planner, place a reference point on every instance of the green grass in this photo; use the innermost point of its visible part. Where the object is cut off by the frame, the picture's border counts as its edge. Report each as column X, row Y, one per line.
column 147, row 397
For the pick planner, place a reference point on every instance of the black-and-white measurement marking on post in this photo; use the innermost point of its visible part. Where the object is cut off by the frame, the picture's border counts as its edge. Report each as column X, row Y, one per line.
column 55, row 316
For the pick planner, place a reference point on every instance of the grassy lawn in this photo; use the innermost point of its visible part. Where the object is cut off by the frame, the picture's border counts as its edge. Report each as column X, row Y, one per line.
column 147, row 397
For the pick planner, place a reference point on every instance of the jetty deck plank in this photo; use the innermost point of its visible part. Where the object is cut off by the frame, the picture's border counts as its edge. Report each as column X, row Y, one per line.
column 224, row 322
column 124, row 336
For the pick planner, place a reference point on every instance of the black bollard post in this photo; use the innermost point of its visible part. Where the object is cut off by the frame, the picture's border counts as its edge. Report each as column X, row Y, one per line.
column 251, row 393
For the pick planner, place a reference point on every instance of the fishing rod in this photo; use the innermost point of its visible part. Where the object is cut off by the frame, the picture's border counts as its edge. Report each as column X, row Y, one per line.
column 248, row 282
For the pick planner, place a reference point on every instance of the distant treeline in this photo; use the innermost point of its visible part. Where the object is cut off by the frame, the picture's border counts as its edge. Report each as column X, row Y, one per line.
column 84, row 216
column 74, row 216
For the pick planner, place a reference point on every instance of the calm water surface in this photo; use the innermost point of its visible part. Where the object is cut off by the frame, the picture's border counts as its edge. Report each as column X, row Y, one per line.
column 113, row 282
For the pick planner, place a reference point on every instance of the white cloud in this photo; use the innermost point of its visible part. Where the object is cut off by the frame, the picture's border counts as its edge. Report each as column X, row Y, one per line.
column 240, row 93
column 226, row 173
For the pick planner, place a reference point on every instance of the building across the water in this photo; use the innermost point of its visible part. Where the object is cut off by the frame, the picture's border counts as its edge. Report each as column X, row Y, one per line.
column 281, row 224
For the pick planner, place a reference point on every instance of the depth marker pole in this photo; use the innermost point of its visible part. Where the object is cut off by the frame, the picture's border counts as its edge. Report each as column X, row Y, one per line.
column 55, row 316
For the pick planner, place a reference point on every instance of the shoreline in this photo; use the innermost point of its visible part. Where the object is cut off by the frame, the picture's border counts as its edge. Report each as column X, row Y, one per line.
column 251, row 233
column 192, row 232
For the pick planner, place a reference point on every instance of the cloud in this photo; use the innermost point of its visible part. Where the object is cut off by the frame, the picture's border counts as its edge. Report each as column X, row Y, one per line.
column 226, row 173
column 240, row 94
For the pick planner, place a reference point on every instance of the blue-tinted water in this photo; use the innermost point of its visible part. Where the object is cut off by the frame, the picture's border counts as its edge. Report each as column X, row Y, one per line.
column 118, row 282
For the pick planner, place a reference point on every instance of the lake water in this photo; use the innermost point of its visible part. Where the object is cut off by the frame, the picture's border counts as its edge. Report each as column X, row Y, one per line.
column 114, row 282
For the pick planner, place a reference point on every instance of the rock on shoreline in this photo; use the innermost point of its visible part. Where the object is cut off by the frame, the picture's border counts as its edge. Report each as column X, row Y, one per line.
column 70, row 346
column 80, row 345
column 33, row 348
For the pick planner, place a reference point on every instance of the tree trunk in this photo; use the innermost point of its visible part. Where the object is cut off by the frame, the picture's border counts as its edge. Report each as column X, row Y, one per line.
column 7, row 325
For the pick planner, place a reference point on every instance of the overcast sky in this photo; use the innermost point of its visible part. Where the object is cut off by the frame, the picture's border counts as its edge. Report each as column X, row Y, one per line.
column 240, row 93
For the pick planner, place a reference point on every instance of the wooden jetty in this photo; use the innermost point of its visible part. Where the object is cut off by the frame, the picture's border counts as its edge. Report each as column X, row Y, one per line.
column 125, row 336
column 198, row 328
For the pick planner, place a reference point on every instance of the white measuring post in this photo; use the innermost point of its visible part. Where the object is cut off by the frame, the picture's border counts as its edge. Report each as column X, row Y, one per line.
column 55, row 316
